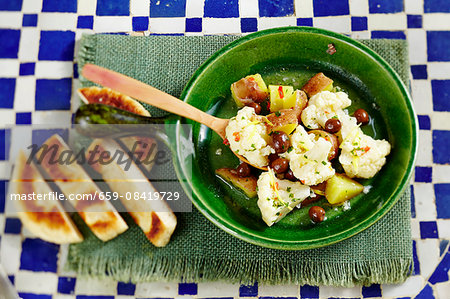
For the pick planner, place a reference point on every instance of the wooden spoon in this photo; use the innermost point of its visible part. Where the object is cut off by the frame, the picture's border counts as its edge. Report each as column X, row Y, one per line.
column 155, row 97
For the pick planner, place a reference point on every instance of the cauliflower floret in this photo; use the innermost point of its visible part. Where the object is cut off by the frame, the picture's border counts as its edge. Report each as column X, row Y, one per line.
column 322, row 107
column 308, row 158
column 247, row 135
column 276, row 198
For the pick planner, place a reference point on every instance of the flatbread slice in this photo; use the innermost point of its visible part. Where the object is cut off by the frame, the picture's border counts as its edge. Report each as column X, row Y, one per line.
column 100, row 215
column 45, row 219
column 144, row 149
column 154, row 217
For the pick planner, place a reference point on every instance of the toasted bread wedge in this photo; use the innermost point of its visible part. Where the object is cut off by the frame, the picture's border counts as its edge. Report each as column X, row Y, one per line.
column 154, row 217
column 100, row 215
column 45, row 219
column 97, row 95
column 144, row 148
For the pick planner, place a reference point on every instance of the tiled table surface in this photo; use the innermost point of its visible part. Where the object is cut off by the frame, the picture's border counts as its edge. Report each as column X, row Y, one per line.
column 38, row 39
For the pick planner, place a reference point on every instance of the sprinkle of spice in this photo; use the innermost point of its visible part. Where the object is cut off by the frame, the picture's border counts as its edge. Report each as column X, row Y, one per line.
column 280, row 92
column 226, row 142
column 237, row 136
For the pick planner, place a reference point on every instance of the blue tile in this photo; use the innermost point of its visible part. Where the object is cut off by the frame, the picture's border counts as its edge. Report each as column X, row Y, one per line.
column 416, row 262
column 280, row 8
column 5, row 143
column 441, row 95
column 38, row 137
column 10, row 43
column 34, row 296
column 85, row 22
column 167, row 8
column 250, row 290
column 59, row 6
column 2, row 195
column 324, row 8
column 14, row 5
column 413, row 203
column 307, row 291
column 440, row 274
column 414, row 21
column 194, row 25
column 419, row 71
column 305, row 22
column 423, row 174
column 249, row 25
column 27, row 68
column 443, row 247
column 56, row 45
column 187, row 289
column 75, row 70
column 385, row 6
column 428, row 230
column 38, row 255
column 140, row 23
column 126, row 288
column 442, row 195
column 221, row 9
column 426, row 293
column 441, row 142
column 389, row 34
column 53, row 94
column 30, row 20
column 424, row 122
column 13, row 226
column 113, row 7
column 7, row 88
column 438, row 43
column 11, row 279
column 373, row 290
column 66, row 285
column 436, row 6
column 359, row 23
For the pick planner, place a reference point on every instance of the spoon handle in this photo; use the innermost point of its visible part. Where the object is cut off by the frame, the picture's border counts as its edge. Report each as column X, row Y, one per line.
column 151, row 96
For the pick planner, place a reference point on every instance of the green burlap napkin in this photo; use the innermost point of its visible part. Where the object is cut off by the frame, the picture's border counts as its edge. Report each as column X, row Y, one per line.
column 199, row 251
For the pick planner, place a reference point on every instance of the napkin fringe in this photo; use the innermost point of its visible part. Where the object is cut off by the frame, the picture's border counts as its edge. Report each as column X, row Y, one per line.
column 188, row 269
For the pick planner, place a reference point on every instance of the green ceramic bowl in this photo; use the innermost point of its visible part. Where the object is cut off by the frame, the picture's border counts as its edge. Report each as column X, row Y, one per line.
column 290, row 56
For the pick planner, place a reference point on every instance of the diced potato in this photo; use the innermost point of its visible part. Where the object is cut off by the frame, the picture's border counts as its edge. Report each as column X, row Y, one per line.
column 297, row 100
column 247, row 184
column 284, row 120
column 318, row 83
column 341, row 188
column 278, row 95
column 249, row 89
column 329, row 137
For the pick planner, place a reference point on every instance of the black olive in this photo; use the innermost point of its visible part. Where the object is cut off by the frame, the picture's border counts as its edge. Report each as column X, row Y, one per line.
column 317, row 214
column 280, row 165
column 333, row 125
column 362, row 117
column 289, row 175
column 243, row 170
column 280, row 141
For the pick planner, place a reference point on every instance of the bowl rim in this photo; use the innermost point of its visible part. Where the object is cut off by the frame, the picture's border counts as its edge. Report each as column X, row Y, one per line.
column 222, row 223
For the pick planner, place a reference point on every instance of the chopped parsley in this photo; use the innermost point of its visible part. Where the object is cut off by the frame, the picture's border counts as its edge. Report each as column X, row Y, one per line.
column 288, row 189
column 277, row 114
column 324, row 163
column 290, row 149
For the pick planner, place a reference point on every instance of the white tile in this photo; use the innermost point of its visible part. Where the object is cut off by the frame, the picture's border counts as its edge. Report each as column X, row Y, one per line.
column 112, row 24
column 2, row 224
column 5, row 170
column 424, row 152
column 221, row 26
column 442, row 290
column 139, row 7
column 32, row 6
column 424, row 200
column 194, row 8
column 417, row 41
column 86, row 7
column 441, row 173
column 266, row 23
column 415, row 229
column 386, row 22
column 25, row 94
column 339, row 24
column 155, row 289
column 428, row 254
column 10, row 250
column 61, row 296
column 36, row 282
column 9, row 68
column 167, row 25
column 440, row 121
column 360, row 34
column 443, row 226
column 291, row 290
column 123, row 297
column 410, row 287
column 28, row 234
column 358, row 8
column 91, row 286
column 436, row 21
column 189, row 297
column 422, row 98
column 303, row 8
column 413, row 6
column 211, row 289
column 29, row 44
column 54, row 69
column 327, row 291
column 57, row 21
column 62, row 259
column 52, row 117
column 7, row 117
column 248, row 8
column 10, row 19
column 439, row 70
